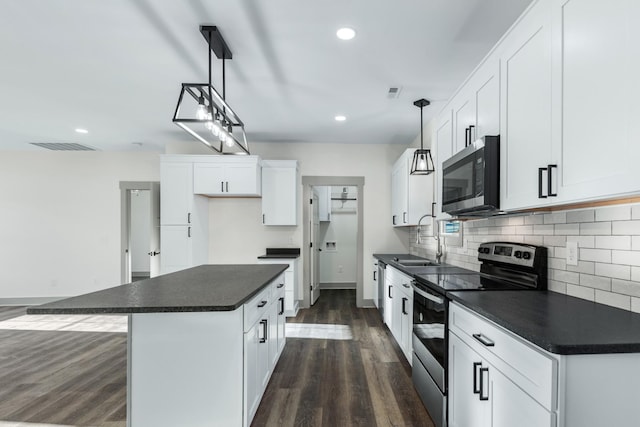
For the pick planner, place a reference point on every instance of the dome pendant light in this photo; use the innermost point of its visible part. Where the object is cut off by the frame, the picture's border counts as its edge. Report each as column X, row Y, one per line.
column 422, row 163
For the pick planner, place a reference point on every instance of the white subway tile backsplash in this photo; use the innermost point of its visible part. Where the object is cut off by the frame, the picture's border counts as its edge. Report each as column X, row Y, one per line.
column 613, row 299
column 625, row 257
column 565, row 276
column 614, row 271
column 555, row 240
column 626, row 228
column 596, row 282
column 587, row 267
column 595, row 228
column 567, row 229
column 555, row 218
column 555, row 286
column 586, row 215
column 534, row 219
column 613, row 242
column 581, row 292
column 614, row 213
column 608, row 238
column 625, row 287
column 597, row 255
column 543, row 229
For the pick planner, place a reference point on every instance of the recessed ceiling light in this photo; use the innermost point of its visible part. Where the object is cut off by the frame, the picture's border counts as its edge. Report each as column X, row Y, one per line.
column 340, row 118
column 80, row 130
column 346, row 33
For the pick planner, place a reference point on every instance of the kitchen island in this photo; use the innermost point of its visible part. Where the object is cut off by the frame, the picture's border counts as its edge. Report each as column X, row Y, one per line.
column 202, row 342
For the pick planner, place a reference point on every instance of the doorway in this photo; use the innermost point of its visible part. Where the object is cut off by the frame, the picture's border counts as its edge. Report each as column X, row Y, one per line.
column 328, row 243
column 140, row 235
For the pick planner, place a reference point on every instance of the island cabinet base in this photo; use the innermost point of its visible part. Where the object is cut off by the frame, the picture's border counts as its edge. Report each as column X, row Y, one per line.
column 185, row 369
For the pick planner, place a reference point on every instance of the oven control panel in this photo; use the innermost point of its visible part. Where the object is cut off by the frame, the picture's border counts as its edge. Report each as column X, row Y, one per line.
column 509, row 253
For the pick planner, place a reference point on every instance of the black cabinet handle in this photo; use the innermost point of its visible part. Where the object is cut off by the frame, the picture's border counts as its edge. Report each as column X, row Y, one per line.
column 550, row 192
column 280, row 285
column 433, row 209
column 281, row 299
column 466, row 137
column 471, row 134
column 484, row 340
column 393, row 219
column 188, row 231
column 374, row 275
column 390, row 292
column 189, row 218
column 404, row 309
column 262, row 304
column 476, row 388
column 221, row 186
column 263, row 218
column 263, row 340
column 406, row 285
column 404, row 217
column 227, row 186
column 482, row 371
column 540, row 195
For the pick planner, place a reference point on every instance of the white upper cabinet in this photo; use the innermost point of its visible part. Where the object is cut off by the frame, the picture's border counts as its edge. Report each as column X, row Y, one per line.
column 279, row 192
column 597, row 64
column 411, row 195
column 324, row 203
column 526, row 111
column 443, row 141
column 176, row 198
column 224, row 176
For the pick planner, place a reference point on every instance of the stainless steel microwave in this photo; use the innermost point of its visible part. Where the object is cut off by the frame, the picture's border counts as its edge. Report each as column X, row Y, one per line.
column 471, row 179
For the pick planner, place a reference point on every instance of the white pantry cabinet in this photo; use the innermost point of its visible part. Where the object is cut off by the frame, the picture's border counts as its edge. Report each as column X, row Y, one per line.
column 184, row 217
column 597, row 64
column 225, row 176
column 279, row 192
column 411, row 195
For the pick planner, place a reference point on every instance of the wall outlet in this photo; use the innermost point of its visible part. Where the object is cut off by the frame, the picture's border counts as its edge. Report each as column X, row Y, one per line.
column 572, row 253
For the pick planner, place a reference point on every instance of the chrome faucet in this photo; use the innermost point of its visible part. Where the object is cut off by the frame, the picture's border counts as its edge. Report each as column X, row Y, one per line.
column 418, row 241
column 436, row 235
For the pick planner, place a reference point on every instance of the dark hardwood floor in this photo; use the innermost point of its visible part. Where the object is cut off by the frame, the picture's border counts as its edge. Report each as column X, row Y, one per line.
column 364, row 381
column 79, row 378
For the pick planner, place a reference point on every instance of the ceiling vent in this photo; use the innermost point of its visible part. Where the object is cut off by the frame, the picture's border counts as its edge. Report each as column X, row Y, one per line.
column 63, row 146
column 394, row 92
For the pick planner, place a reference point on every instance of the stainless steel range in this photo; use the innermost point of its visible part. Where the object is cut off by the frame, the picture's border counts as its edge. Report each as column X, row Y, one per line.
column 505, row 266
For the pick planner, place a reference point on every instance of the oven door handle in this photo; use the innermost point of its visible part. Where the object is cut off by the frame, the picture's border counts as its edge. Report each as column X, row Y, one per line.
column 428, row 296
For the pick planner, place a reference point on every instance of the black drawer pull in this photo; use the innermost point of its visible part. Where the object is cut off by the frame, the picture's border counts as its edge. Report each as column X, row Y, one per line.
column 484, row 340
column 550, row 192
column 476, row 386
column 262, row 304
column 482, row 371
column 265, row 327
column 280, row 285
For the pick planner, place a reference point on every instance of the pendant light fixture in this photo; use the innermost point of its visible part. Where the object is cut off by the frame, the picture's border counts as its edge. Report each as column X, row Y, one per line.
column 422, row 161
column 204, row 113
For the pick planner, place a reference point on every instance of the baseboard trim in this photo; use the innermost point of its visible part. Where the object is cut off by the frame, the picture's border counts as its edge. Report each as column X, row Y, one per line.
column 337, row 285
column 368, row 303
column 29, row 300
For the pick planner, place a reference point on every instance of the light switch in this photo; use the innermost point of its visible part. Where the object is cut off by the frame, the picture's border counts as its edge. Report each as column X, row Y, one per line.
column 572, row 253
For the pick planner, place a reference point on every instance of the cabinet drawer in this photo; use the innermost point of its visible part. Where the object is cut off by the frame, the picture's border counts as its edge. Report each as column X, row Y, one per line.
column 396, row 277
column 257, row 306
column 532, row 370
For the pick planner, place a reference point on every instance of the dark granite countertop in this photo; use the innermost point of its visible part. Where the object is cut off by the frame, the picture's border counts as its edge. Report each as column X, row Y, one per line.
column 202, row 288
column 416, row 271
column 558, row 323
column 281, row 253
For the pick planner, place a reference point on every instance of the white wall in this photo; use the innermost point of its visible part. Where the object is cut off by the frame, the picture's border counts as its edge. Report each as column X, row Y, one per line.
column 340, row 266
column 236, row 231
column 140, row 231
column 60, row 219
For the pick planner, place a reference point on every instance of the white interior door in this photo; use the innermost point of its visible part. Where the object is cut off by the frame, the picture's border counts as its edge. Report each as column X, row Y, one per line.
column 315, row 249
column 154, row 233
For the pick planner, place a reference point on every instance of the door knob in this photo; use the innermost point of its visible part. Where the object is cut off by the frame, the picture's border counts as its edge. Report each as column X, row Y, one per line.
column 154, row 253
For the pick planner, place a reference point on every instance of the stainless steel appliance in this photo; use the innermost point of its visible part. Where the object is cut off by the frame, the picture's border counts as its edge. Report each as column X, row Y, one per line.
column 505, row 266
column 381, row 268
column 471, row 179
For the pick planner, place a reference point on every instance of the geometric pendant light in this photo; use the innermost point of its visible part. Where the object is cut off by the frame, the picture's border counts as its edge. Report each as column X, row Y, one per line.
column 204, row 113
column 422, row 163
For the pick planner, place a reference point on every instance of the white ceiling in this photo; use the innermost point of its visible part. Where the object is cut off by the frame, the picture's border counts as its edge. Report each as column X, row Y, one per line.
column 115, row 67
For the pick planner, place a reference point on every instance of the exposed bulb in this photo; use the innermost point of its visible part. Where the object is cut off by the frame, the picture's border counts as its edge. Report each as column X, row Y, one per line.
column 209, row 123
column 422, row 163
column 201, row 112
column 229, row 142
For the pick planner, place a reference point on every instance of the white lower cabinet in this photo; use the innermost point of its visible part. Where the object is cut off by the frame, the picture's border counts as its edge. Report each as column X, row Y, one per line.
column 480, row 395
column 291, row 291
column 401, row 304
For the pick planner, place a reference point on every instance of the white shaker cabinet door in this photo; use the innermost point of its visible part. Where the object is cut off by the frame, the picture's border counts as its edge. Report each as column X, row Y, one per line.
column 526, row 115
column 176, row 193
column 598, row 63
